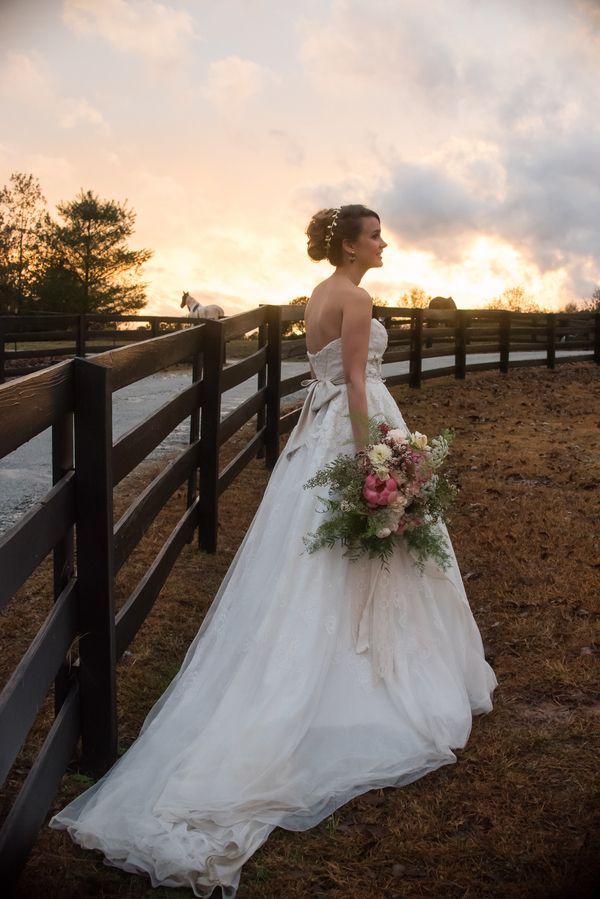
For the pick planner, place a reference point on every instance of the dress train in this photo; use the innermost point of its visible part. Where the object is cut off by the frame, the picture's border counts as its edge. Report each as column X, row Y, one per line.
column 312, row 679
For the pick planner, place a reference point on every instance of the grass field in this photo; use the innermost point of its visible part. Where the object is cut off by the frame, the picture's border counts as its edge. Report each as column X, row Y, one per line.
column 518, row 816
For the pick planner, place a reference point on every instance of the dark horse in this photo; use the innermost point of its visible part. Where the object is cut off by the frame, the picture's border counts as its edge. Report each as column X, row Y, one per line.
column 443, row 304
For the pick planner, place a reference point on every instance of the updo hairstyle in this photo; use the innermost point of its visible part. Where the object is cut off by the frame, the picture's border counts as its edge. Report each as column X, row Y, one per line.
column 325, row 241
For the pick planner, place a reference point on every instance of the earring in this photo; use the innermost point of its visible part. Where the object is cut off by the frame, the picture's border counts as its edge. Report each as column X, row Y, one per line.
column 352, row 258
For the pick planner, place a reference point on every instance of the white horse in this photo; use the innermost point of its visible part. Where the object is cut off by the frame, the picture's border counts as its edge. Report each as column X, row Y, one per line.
column 197, row 310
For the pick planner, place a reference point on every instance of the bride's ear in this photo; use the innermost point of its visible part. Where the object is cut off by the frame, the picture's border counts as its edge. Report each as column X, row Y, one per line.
column 348, row 250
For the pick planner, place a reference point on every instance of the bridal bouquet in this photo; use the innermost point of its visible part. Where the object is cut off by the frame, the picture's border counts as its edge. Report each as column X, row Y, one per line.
column 389, row 491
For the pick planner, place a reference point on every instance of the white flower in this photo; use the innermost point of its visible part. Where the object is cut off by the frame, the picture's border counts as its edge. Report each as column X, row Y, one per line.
column 379, row 453
column 382, row 473
column 397, row 436
column 345, row 506
column 419, row 440
column 431, row 485
column 383, row 532
column 439, row 450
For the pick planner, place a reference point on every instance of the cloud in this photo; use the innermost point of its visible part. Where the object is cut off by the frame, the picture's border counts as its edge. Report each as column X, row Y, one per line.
column 547, row 208
column 490, row 115
column 146, row 28
column 233, row 81
column 73, row 112
column 26, row 80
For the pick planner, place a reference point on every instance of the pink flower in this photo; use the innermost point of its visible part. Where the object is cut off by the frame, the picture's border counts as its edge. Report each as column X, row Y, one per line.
column 379, row 492
column 396, row 436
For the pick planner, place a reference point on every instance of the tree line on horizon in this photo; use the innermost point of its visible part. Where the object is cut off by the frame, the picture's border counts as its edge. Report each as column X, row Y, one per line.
column 83, row 263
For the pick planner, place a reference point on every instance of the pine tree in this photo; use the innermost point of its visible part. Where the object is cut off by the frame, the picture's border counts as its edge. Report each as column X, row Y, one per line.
column 89, row 266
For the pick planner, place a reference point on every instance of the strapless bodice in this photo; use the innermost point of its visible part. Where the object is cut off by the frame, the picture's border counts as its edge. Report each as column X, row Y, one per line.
column 327, row 363
column 328, row 381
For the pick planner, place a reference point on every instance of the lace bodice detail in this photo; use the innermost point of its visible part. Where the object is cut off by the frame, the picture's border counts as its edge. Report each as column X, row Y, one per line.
column 327, row 363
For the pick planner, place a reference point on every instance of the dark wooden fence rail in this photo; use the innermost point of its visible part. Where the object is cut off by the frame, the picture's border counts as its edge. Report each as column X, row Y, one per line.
column 29, row 407
column 418, row 334
column 74, row 398
column 74, row 335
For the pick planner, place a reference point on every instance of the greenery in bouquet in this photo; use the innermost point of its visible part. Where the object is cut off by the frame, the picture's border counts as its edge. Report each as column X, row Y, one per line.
column 392, row 490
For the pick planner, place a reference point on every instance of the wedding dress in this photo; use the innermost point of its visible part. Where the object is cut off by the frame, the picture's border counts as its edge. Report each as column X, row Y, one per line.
column 312, row 679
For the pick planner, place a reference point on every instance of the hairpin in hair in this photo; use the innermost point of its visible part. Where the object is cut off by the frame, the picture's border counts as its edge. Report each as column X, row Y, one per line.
column 330, row 229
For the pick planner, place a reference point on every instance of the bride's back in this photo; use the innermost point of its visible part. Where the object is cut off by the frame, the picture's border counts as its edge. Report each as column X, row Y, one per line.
column 324, row 312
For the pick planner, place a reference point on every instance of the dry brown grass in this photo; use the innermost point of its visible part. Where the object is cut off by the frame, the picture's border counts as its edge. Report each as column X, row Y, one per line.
column 518, row 815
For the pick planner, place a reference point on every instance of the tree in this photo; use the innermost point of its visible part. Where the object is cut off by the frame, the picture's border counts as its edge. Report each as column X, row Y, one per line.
column 379, row 303
column 593, row 304
column 515, row 299
column 22, row 216
column 89, row 266
column 416, row 298
column 295, row 329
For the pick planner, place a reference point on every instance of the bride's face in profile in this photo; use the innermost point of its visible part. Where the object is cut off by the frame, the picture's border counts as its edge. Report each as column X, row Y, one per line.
column 369, row 244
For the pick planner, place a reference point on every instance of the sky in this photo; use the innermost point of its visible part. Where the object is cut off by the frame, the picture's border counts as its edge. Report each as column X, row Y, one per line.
column 471, row 126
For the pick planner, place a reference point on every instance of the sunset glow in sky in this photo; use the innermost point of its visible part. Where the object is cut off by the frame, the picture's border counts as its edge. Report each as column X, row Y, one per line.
column 472, row 127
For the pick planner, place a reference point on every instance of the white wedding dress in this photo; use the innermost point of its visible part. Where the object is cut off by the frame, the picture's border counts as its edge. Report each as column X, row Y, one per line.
column 312, row 680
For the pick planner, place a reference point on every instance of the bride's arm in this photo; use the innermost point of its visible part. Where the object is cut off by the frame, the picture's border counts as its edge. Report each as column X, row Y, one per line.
column 356, row 330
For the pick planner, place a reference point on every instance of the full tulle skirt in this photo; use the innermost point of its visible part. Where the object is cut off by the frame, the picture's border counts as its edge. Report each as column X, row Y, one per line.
column 312, row 679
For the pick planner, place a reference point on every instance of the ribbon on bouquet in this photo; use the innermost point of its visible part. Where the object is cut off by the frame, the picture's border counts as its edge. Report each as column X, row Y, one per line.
column 320, row 393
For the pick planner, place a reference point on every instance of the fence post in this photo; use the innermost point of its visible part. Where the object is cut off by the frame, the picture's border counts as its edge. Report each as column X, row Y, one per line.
column 95, row 564
column 550, row 339
column 460, row 344
column 155, row 326
column 597, row 338
column 197, row 364
column 261, row 381
column 273, row 385
column 2, row 351
column 416, row 348
column 63, row 557
column 210, row 424
column 504, row 340
column 80, row 338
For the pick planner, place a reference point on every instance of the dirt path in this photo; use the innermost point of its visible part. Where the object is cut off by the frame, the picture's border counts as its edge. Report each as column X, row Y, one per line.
column 518, row 815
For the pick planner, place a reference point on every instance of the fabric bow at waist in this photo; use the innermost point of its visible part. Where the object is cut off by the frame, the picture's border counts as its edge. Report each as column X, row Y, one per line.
column 320, row 392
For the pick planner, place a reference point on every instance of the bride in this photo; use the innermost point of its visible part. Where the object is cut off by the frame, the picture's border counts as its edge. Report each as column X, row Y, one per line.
column 313, row 678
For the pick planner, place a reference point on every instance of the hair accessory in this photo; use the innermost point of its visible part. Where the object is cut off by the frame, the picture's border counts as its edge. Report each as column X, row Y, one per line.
column 330, row 229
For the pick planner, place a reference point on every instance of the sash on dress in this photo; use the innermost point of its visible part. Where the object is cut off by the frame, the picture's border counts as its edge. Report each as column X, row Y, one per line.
column 320, row 393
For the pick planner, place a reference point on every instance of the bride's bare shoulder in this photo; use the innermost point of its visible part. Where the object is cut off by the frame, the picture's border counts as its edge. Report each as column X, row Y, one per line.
column 335, row 301
column 355, row 298
column 339, row 290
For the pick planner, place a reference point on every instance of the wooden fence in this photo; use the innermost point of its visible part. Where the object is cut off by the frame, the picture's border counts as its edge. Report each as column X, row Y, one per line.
column 74, row 521
column 72, row 335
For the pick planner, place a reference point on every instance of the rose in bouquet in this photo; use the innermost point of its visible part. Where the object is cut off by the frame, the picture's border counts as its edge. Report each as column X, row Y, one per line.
column 392, row 490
